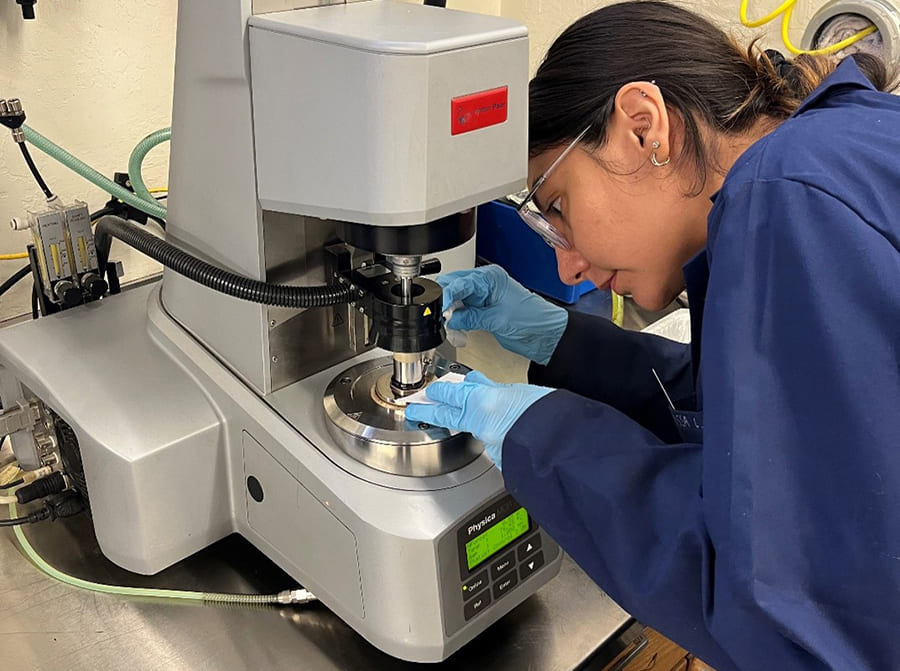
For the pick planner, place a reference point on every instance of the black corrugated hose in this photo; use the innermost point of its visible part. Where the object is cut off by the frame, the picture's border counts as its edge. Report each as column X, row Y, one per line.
column 208, row 275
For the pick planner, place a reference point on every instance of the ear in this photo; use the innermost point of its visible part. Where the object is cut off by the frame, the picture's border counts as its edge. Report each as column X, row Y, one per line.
column 639, row 119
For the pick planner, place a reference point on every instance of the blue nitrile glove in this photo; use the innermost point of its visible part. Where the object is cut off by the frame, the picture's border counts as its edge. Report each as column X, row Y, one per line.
column 479, row 406
column 522, row 321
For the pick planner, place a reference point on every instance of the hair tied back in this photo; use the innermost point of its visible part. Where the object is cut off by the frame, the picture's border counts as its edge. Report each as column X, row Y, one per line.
column 781, row 64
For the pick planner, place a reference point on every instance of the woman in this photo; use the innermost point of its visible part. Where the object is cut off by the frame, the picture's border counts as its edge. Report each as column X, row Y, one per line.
column 758, row 522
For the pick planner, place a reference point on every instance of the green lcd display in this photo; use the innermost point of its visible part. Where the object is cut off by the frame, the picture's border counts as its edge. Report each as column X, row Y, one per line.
column 498, row 536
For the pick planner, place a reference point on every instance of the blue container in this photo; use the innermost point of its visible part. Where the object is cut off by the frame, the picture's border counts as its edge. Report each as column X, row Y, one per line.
column 504, row 239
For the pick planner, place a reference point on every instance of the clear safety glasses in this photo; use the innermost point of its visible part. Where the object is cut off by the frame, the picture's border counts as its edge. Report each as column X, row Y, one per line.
column 531, row 214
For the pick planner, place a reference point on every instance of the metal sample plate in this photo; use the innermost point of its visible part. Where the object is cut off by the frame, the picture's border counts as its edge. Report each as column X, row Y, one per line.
column 372, row 429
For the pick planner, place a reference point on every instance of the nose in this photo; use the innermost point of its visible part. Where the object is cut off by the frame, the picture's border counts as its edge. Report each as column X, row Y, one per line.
column 571, row 266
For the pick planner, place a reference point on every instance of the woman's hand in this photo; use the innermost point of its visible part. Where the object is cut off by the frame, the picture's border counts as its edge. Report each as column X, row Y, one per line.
column 488, row 299
column 479, row 406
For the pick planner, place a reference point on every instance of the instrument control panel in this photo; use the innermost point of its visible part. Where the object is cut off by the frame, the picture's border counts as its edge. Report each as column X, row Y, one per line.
column 498, row 549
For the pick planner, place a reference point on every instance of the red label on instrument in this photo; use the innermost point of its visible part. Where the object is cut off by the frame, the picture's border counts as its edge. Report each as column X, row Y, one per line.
column 478, row 110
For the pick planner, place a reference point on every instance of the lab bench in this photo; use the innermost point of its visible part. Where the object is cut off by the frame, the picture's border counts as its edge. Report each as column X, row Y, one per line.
column 49, row 625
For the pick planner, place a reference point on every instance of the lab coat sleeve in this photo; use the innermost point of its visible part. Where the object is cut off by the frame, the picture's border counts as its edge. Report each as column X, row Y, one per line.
column 597, row 359
column 778, row 539
column 626, row 507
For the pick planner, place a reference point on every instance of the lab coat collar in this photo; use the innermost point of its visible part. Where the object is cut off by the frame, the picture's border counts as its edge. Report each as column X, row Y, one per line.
column 846, row 75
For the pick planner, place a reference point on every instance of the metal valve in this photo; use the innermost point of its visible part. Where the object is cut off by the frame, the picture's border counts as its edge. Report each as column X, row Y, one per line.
column 12, row 115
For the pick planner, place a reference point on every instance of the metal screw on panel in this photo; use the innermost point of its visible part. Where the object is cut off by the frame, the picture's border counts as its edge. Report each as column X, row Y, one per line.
column 272, row 323
column 275, row 358
column 361, row 309
column 346, row 380
column 453, row 366
column 423, row 426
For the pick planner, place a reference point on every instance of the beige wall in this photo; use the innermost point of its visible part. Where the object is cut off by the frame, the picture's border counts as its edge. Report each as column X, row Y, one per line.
column 96, row 76
column 546, row 19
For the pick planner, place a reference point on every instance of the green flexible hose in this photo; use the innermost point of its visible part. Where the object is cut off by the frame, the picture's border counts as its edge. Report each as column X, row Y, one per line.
column 183, row 595
column 137, row 159
column 55, row 151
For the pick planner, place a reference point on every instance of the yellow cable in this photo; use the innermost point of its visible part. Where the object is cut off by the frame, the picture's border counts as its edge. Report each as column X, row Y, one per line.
column 834, row 48
column 9, row 473
column 786, row 5
column 785, row 10
column 618, row 309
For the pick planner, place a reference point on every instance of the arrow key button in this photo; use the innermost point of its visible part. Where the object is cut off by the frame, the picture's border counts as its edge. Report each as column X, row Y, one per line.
column 530, row 565
column 529, row 547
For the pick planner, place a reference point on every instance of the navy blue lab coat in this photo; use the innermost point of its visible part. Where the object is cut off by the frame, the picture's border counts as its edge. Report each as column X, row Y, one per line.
column 772, row 542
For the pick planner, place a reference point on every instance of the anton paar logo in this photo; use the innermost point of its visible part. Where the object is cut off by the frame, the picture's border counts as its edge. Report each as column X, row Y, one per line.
column 478, row 526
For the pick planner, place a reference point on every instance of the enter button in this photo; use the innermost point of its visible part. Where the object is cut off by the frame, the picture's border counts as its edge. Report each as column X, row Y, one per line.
column 531, row 565
column 506, row 584
column 529, row 547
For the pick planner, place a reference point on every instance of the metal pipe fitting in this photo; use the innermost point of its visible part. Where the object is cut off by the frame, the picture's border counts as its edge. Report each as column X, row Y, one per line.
column 406, row 269
column 409, row 372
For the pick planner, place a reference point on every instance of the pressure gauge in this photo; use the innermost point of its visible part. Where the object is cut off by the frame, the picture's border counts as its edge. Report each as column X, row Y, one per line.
column 840, row 19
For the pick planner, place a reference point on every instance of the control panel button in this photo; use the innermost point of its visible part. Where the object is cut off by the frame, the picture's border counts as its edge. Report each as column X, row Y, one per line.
column 506, row 583
column 476, row 605
column 502, row 565
column 529, row 547
column 474, row 585
column 530, row 565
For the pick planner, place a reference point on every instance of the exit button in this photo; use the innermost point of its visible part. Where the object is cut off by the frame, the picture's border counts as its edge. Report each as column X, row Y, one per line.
column 529, row 547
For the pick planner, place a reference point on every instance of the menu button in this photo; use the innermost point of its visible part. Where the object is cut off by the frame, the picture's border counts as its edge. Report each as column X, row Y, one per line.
column 502, row 565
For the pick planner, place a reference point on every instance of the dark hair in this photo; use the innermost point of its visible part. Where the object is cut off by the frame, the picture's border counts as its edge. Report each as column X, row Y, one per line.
column 704, row 75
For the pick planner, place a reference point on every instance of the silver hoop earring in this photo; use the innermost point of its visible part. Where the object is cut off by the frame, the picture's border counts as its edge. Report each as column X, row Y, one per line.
column 653, row 158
